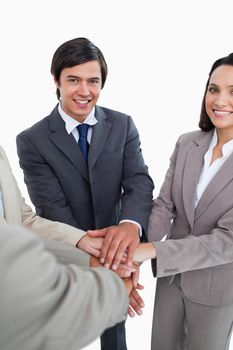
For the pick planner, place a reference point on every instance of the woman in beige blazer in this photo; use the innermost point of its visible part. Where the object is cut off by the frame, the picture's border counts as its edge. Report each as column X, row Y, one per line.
column 194, row 210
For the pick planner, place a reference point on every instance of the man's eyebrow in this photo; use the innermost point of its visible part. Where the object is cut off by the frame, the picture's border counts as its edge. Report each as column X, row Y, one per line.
column 76, row 76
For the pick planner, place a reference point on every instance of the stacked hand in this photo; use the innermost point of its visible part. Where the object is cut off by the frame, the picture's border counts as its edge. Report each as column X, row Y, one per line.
column 118, row 248
column 126, row 273
column 145, row 251
column 117, row 240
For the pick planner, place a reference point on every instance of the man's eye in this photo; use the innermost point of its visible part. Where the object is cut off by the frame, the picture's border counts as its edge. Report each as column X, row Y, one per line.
column 94, row 82
column 73, row 81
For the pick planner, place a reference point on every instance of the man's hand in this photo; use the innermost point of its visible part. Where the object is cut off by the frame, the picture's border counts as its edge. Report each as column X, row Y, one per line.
column 135, row 302
column 91, row 245
column 117, row 240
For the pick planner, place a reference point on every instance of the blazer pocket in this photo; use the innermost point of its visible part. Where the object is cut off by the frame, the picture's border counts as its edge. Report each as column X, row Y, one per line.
column 111, row 154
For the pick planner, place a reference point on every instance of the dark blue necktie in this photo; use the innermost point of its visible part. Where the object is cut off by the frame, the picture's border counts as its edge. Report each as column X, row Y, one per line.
column 83, row 144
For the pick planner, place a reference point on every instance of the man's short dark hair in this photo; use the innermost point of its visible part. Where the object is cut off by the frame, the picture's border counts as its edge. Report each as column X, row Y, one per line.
column 74, row 52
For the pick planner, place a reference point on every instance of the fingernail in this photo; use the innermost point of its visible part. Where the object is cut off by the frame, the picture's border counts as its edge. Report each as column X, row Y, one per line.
column 142, row 304
column 114, row 267
column 139, row 312
column 106, row 266
column 102, row 260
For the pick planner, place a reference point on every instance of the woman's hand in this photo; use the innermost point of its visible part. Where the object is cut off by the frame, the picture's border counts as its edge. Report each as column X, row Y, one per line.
column 144, row 251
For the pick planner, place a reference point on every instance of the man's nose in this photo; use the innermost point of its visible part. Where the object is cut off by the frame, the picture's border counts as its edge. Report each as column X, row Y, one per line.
column 83, row 89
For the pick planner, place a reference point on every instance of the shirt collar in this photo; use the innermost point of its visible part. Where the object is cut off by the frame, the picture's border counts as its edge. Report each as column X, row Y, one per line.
column 227, row 147
column 214, row 139
column 71, row 123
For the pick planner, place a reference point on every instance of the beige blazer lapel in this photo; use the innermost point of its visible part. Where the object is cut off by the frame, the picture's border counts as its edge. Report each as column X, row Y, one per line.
column 192, row 169
column 2, row 220
column 217, row 184
column 9, row 189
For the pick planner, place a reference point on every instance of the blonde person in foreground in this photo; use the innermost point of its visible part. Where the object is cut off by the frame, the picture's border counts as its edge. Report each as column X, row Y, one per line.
column 50, row 298
column 14, row 211
column 194, row 265
column 46, row 304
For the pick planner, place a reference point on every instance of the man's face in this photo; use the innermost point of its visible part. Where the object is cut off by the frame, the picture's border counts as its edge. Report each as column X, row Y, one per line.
column 80, row 88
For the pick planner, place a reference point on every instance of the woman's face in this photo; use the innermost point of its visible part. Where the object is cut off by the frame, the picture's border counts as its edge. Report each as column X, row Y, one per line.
column 219, row 97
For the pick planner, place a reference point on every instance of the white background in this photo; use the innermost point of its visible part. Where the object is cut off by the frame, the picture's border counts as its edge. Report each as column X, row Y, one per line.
column 159, row 54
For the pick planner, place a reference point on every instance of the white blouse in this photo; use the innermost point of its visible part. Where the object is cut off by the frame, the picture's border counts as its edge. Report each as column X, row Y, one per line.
column 209, row 170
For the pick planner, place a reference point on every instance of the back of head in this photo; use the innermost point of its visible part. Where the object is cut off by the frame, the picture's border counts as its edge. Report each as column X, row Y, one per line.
column 75, row 52
column 205, row 123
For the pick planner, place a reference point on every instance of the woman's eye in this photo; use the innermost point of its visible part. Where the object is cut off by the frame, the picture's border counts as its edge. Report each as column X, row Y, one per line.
column 212, row 90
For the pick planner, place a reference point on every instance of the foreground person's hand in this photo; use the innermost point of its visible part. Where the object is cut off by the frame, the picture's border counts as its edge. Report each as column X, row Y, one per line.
column 91, row 245
column 136, row 303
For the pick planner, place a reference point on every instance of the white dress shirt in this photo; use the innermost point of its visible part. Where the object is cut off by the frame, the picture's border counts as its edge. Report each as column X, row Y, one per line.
column 209, row 170
column 71, row 124
column 71, row 128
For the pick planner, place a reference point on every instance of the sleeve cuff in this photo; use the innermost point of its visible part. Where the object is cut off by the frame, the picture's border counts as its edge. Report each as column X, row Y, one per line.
column 136, row 223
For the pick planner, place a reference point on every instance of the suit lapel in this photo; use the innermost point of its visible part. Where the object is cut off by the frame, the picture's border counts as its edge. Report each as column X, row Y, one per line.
column 192, row 170
column 66, row 143
column 100, row 133
column 217, row 184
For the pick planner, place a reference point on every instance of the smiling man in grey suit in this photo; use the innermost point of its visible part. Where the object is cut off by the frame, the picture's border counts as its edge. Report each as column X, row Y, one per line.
column 83, row 164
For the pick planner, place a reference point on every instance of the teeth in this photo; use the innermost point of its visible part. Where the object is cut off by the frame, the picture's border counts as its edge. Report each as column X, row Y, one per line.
column 82, row 102
column 222, row 113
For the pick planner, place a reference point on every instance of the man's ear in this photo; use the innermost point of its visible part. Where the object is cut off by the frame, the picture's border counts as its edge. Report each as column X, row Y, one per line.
column 57, row 83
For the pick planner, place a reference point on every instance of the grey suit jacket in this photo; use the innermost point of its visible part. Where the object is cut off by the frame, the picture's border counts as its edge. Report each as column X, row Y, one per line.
column 200, row 241
column 61, row 185
column 17, row 212
column 49, row 306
